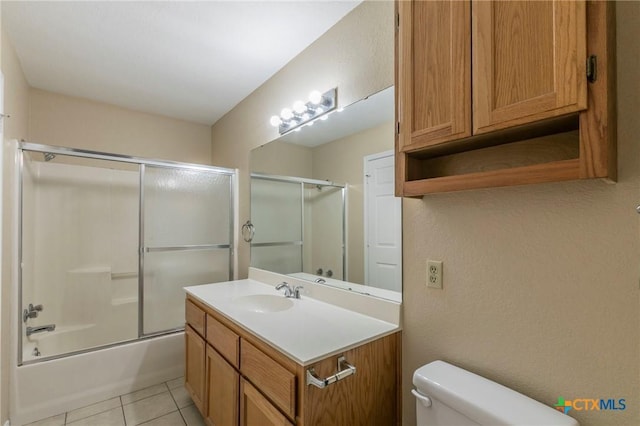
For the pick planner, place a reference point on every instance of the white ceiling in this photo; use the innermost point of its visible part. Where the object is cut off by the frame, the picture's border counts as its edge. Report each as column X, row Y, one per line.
column 188, row 60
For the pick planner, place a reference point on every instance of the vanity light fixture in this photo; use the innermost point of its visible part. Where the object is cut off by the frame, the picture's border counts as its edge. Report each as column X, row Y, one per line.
column 301, row 113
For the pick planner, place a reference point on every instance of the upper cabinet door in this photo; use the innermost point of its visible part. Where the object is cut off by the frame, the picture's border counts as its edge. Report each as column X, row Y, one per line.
column 529, row 61
column 434, row 72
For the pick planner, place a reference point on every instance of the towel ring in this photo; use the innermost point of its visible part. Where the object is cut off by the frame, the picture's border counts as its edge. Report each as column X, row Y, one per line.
column 248, row 231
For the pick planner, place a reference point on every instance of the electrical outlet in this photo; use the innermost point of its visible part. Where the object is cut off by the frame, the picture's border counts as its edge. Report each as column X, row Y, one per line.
column 434, row 274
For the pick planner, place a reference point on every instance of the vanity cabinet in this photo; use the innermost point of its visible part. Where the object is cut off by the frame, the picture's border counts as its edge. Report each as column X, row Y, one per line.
column 222, row 387
column 248, row 382
column 498, row 93
column 195, row 348
column 257, row 410
column 195, row 366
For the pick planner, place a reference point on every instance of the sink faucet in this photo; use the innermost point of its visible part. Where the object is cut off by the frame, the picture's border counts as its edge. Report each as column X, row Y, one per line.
column 40, row 329
column 288, row 291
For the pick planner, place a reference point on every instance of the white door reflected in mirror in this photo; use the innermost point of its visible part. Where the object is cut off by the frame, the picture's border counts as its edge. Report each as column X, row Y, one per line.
column 383, row 223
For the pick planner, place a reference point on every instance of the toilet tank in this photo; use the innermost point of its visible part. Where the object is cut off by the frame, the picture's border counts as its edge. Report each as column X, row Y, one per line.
column 448, row 395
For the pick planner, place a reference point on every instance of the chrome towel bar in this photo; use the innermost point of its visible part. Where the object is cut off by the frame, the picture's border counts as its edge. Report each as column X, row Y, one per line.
column 344, row 370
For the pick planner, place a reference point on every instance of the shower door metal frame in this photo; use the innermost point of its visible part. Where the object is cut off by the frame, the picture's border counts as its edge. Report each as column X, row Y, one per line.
column 143, row 249
column 303, row 182
column 141, row 162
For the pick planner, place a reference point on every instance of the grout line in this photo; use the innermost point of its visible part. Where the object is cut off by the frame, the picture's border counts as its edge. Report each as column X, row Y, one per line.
column 156, row 418
column 122, row 404
column 146, row 397
column 182, row 415
column 94, row 414
column 124, row 418
column 174, row 399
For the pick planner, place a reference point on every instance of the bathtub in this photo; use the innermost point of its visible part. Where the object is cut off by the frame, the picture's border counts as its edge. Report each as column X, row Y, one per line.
column 119, row 325
column 62, row 340
column 52, row 387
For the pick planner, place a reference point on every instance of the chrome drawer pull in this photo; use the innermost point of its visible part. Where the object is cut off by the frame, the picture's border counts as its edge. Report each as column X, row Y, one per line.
column 344, row 370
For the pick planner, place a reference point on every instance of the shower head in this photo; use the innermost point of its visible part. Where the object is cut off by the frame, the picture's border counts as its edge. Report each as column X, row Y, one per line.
column 49, row 156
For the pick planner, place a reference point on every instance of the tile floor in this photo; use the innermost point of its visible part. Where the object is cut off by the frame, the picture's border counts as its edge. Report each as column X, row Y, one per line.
column 166, row 404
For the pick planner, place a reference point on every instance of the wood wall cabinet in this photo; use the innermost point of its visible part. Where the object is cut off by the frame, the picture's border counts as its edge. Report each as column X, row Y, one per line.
column 245, row 381
column 434, row 66
column 529, row 61
column 498, row 93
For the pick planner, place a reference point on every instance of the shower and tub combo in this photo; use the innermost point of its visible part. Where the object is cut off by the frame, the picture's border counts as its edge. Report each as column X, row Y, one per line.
column 105, row 244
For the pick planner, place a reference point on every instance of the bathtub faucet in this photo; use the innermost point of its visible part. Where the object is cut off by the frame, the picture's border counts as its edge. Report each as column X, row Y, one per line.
column 40, row 329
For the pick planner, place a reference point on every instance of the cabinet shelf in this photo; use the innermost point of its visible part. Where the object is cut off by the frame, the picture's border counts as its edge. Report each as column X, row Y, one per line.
column 504, row 141
column 537, row 173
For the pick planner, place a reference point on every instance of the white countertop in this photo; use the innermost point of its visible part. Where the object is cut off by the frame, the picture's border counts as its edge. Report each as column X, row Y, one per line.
column 307, row 332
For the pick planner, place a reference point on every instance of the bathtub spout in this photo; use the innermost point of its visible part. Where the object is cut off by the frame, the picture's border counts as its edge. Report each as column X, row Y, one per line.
column 40, row 329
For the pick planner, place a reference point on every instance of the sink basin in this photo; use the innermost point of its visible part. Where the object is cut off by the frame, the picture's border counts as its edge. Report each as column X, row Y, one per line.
column 263, row 303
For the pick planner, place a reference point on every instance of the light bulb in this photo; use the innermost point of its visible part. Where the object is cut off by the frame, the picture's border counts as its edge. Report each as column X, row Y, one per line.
column 286, row 114
column 310, row 123
column 299, row 107
column 275, row 121
column 324, row 117
column 315, row 97
column 297, row 129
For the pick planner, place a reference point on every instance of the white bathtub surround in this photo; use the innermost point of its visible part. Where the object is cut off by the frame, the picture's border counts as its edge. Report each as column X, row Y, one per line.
column 51, row 387
column 307, row 331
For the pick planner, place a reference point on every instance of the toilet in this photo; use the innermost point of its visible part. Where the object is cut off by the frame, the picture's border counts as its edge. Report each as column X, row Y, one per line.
column 448, row 395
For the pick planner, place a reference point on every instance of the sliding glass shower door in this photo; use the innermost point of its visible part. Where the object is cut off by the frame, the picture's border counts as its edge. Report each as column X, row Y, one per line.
column 299, row 225
column 277, row 215
column 108, row 242
column 187, row 235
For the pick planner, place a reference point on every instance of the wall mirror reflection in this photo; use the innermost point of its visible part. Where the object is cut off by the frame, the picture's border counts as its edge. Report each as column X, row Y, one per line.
column 323, row 205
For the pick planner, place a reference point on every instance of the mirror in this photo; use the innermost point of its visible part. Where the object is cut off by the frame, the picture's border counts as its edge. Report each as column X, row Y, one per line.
column 322, row 202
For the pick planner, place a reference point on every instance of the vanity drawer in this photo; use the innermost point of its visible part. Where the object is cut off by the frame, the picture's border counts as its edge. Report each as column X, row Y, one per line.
column 275, row 381
column 225, row 341
column 195, row 317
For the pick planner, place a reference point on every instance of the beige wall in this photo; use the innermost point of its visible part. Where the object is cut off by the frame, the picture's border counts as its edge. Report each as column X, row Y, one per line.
column 540, row 282
column 356, row 55
column 49, row 118
column 16, row 104
column 16, row 93
column 281, row 158
column 79, row 123
column 342, row 161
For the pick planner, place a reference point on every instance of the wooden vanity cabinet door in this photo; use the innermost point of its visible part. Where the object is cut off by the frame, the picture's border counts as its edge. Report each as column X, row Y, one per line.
column 529, row 61
column 275, row 381
column 195, row 317
column 195, row 349
column 434, row 72
column 256, row 410
column 223, row 385
column 225, row 341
